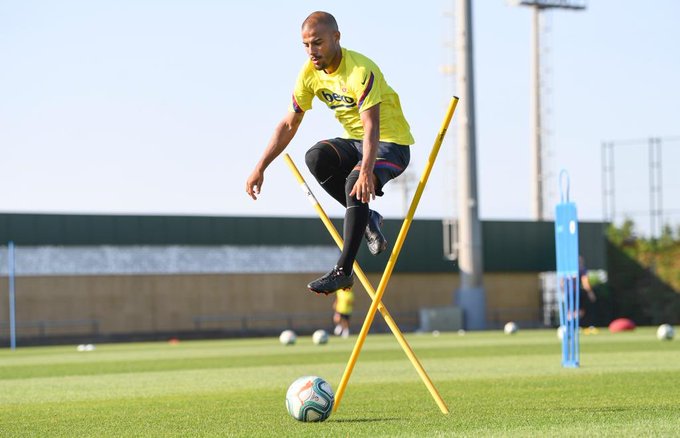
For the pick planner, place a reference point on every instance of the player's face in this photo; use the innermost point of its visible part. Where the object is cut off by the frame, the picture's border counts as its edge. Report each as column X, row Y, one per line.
column 322, row 46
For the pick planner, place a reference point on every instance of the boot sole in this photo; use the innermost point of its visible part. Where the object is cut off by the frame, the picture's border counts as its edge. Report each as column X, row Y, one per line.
column 323, row 292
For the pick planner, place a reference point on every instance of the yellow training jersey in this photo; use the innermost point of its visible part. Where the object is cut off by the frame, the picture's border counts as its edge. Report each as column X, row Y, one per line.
column 344, row 301
column 355, row 86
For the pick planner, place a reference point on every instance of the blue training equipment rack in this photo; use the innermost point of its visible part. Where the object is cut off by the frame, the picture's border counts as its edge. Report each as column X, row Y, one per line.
column 566, row 248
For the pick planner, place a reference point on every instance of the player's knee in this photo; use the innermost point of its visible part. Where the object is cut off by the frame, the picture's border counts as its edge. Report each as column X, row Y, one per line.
column 318, row 160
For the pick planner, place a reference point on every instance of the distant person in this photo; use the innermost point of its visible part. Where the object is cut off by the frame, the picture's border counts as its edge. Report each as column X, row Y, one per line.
column 353, row 168
column 585, row 291
column 343, row 306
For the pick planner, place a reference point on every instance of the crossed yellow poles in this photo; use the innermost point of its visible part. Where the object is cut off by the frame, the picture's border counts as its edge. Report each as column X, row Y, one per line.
column 376, row 295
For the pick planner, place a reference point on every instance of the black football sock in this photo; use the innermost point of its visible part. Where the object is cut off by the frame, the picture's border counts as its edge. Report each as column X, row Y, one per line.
column 356, row 218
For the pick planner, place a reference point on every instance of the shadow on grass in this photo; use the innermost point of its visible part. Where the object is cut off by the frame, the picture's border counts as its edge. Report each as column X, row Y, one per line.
column 612, row 409
column 599, row 409
column 363, row 420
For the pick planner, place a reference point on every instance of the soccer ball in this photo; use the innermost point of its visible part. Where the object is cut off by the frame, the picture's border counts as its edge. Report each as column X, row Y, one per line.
column 665, row 332
column 560, row 332
column 320, row 337
column 288, row 337
column 510, row 328
column 310, row 398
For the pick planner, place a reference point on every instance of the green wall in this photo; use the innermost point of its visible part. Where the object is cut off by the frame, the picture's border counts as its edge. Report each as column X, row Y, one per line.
column 508, row 245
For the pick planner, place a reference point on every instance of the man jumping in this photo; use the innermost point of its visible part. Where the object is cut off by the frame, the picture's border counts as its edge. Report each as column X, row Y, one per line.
column 354, row 168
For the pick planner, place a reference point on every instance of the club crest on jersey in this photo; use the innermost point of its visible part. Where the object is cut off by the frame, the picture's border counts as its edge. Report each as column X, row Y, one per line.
column 335, row 100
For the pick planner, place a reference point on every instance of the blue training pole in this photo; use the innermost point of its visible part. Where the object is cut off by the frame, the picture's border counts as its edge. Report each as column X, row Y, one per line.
column 12, row 310
column 566, row 247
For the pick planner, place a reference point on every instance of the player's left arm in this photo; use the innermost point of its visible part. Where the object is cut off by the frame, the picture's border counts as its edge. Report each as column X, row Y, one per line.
column 364, row 188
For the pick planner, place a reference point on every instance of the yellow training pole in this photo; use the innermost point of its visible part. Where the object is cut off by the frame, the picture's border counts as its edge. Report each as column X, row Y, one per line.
column 369, row 289
column 395, row 253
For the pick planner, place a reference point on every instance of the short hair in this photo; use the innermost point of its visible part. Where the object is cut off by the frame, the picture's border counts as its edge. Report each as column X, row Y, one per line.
column 323, row 18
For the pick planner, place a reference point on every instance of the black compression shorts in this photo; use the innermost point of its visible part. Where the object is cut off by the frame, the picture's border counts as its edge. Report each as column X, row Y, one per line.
column 391, row 160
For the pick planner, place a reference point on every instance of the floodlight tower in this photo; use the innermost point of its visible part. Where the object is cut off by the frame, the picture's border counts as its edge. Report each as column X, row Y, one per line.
column 536, row 137
column 471, row 296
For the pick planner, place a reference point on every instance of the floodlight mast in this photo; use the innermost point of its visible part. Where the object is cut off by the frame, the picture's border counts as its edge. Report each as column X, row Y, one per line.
column 545, row 4
column 471, row 296
column 537, row 131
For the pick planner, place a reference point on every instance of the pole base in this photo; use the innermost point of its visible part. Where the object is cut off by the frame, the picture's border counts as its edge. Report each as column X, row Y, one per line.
column 473, row 302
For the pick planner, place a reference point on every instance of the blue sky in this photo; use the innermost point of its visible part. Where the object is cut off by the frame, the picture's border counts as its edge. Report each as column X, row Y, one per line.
column 164, row 106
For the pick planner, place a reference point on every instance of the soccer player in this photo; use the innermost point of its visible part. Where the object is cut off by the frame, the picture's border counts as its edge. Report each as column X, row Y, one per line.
column 343, row 306
column 353, row 168
column 585, row 292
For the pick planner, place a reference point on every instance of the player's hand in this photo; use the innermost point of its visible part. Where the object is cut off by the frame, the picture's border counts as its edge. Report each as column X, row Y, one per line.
column 364, row 188
column 254, row 183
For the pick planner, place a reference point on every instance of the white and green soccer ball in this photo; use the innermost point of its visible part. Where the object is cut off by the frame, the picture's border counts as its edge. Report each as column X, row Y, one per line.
column 287, row 337
column 665, row 332
column 320, row 337
column 510, row 328
column 310, row 399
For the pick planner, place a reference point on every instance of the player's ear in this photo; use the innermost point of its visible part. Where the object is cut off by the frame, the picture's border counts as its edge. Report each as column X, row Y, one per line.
column 336, row 37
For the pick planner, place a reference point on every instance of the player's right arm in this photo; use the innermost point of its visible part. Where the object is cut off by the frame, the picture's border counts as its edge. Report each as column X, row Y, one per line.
column 283, row 134
column 588, row 288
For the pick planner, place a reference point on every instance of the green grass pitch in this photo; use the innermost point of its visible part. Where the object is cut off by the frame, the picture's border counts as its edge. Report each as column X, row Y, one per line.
column 494, row 385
